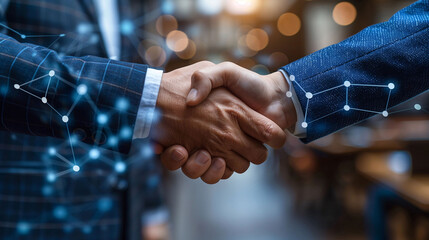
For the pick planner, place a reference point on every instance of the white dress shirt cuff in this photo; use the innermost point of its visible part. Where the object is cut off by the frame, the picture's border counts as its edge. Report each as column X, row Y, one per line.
column 146, row 110
column 299, row 131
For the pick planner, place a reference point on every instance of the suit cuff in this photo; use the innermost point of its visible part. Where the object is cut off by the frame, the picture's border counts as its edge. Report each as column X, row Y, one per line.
column 146, row 110
column 299, row 131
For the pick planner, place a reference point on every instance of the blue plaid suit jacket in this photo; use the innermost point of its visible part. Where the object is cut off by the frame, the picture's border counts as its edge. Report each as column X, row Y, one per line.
column 84, row 205
column 383, row 66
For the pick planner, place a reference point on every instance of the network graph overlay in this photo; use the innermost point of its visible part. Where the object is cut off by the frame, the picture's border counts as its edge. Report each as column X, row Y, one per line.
column 347, row 85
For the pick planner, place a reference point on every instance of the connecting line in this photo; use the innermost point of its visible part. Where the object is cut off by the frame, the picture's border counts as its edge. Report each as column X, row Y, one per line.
column 55, row 110
column 364, row 110
column 299, row 85
column 2, row 41
column 368, row 85
column 405, row 110
column 71, row 143
column 63, row 173
column 327, row 90
column 26, row 83
column 65, row 81
column 13, row 30
column 388, row 99
column 64, row 159
column 327, row 115
column 74, row 105
column 91, row 103
column 29, row 93
column 306, row 110
column 44, row 36
column 47, row 88
column 347, row 96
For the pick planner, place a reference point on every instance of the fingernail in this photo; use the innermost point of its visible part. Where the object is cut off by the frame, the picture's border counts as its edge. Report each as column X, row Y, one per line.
column 202, row 158
column 218, row 164
column 192, row 94
column 177, row 156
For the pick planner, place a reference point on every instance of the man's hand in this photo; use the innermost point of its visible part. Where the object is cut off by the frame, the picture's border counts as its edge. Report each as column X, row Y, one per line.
column 222, row 125
column 264, row 94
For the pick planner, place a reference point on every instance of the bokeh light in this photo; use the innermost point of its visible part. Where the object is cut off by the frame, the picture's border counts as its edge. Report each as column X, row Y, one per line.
column 166, row 24
column 289, row 24
column 242, row 7
column 210, row 7
column 189, row 52
column 177, row 41
column 278, row 59
column 344, row 13
column 155, row 56
column 257, row 39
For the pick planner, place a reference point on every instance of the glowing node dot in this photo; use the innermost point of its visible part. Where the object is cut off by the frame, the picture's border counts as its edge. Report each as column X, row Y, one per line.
column 44, row 100
column 309, row 95
column 120, row 167
column 418, row 107
column 94, row 153
column 62, row 35
column 51, row 73
column 391, row 86
column 289, row 94
column 292, row 78
column 385, row 114
column 23, row 36
column 76, row 168
column 16, row 86
column 304, row 124
column 347, row 107
column 65, row 119
column 102, row 119
column 52, row 151
column 51, row 177
column 347, row 84
column 82, row 89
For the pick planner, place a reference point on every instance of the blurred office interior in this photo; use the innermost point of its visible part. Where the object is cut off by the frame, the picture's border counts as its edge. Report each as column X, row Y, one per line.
column 369, row 181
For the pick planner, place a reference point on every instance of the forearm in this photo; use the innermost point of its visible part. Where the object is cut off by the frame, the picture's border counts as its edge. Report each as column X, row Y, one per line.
column 393, row 52
column 45, row 94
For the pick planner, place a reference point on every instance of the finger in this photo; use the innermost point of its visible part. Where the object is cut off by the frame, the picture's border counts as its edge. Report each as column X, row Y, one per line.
column 236, row 162
column 261, row 128
column 197, row 164
column 250, row 149
column 157, row 148
column 204, row 80
column 174, row 157
column 215, row 172
column 228, row 173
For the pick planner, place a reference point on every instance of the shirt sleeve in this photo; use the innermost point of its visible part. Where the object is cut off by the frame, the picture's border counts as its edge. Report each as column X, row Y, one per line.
column 298, row 131
column 146, row 112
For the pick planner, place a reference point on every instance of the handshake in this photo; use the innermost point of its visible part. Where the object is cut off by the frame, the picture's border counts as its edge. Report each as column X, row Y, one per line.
column 216, row 118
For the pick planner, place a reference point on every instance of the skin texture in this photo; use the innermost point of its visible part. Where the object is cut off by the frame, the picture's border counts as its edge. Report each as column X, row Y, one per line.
column 230, row 132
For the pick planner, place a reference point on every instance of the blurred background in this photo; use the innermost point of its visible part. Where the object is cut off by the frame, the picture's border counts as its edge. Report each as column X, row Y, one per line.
column 367, row 182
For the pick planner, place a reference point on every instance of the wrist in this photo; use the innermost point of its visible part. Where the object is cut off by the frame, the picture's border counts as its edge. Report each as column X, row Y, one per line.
column 282, row 89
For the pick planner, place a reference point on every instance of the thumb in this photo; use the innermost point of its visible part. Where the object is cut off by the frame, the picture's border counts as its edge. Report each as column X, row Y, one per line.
column 205, row 80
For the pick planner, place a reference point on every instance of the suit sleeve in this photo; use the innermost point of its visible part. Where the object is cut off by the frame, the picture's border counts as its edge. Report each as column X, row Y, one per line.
column 367, row 74
column 90, row 99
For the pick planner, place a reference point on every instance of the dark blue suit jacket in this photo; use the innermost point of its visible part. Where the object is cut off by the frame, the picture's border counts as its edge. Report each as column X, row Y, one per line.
column 88, row 204
column 394, row 52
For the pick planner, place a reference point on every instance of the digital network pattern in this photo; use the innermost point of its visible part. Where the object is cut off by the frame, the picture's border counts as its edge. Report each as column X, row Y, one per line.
column 346, row 107
column 133, row 31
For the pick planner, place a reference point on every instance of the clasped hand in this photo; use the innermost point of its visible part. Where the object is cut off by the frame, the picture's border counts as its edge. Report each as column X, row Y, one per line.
column 211, row 133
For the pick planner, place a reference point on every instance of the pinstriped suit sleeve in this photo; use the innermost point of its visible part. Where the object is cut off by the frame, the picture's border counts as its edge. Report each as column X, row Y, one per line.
column 34, row 103
column 395, row 52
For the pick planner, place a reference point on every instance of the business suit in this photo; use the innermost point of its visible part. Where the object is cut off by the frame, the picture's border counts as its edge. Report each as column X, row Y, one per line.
column 88, row 204
column 395, row 52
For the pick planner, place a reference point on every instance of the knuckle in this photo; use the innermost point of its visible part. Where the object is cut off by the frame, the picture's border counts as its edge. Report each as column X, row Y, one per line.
column 207, row 63
column 267, row 131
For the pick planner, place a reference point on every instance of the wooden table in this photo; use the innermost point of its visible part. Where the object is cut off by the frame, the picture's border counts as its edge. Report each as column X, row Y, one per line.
column 413, row 188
